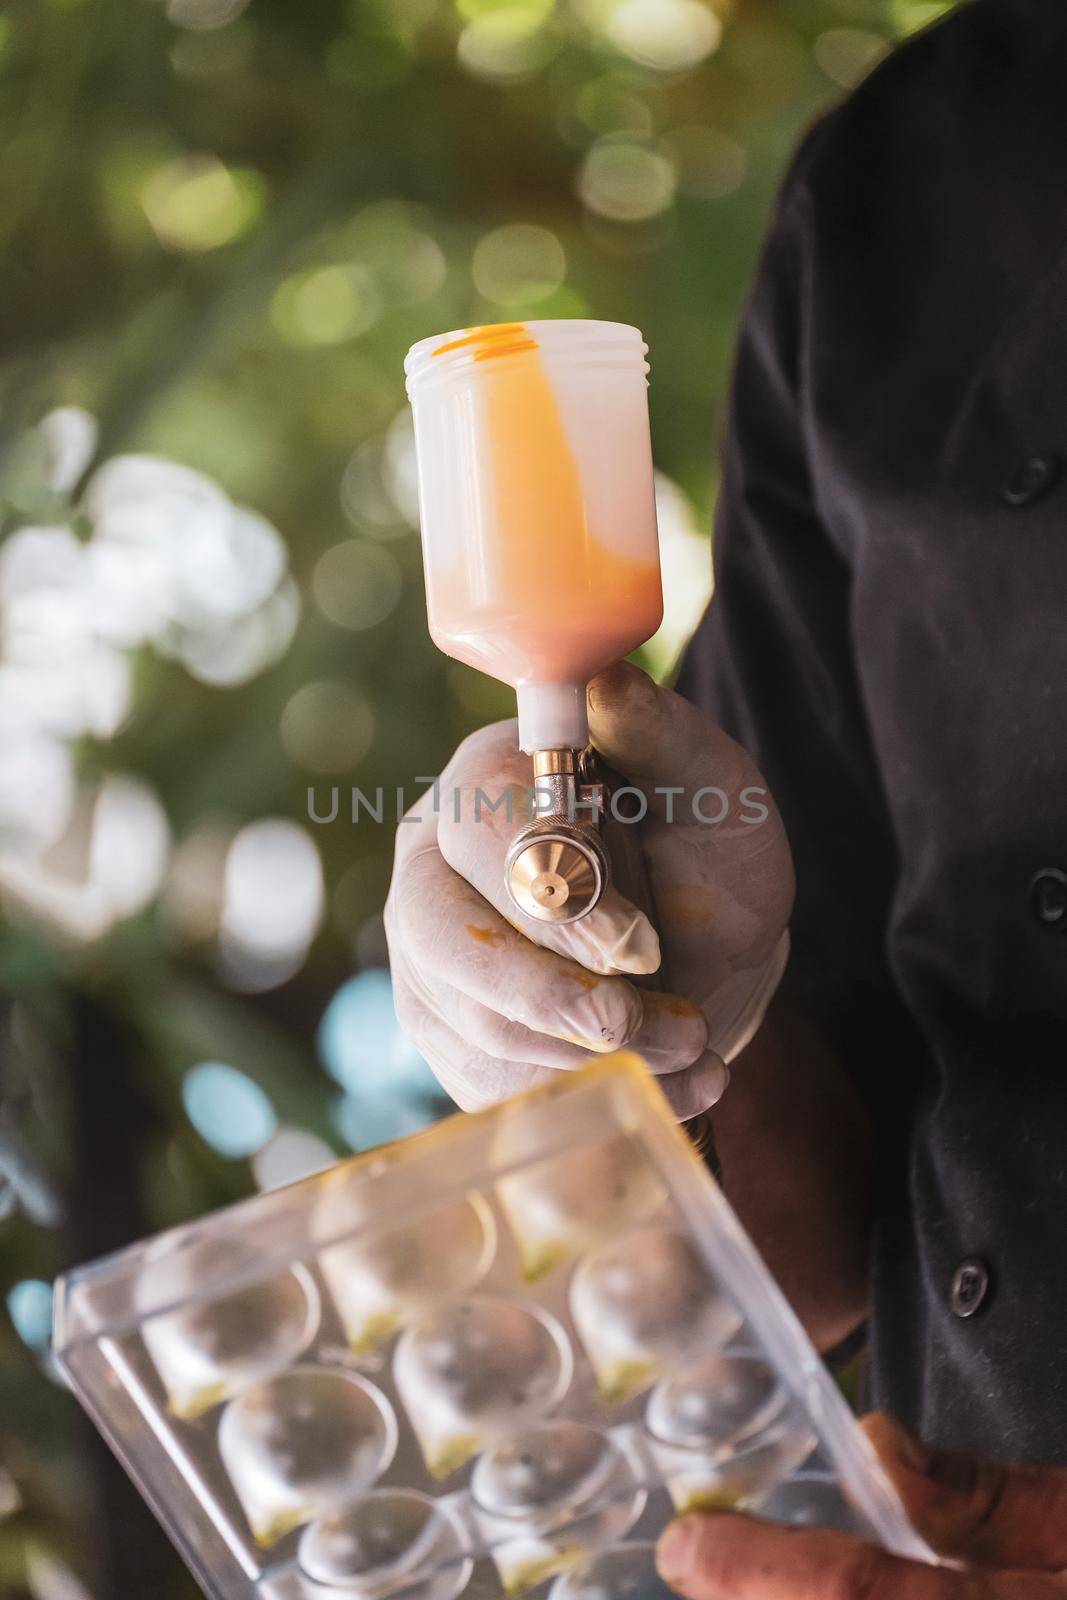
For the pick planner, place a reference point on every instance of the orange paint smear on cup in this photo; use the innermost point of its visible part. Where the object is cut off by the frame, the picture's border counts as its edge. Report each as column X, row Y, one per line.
column 545, row 602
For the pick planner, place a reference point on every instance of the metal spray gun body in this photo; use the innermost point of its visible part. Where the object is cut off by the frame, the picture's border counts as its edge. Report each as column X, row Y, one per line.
column 559, row 864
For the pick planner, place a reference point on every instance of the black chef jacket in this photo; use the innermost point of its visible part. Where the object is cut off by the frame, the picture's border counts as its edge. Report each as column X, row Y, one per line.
column 888, row 636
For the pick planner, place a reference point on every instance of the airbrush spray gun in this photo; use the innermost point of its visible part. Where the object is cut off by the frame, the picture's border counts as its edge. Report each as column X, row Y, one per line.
column 542, row 559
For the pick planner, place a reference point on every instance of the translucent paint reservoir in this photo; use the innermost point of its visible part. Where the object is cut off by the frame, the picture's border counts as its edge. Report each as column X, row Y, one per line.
column 538, row 513
column 443, row 1369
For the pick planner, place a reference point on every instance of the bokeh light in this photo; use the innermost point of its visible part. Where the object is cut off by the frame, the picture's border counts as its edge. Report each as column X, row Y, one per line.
column 389, row 1091
column 289, row 1155
column 197, row 203
column 518, row 264
column 192, row 896
column 846, row 55
column 272, row 903
column 392, row 241
column 685, row 558
column 605, row 105
column 365, row 1121
column 37, row 784
column 327, row 726
column 170, row 547
column 29, row 1305
column 375, row 493
column 326, row 305
column 10, row 1498
column 229, row 1112
column 711, row 165
column 506, row 44
column 239, row 650
column 108, row 865
column 203, row 16
column 626, row 181
column 357, row 584
column 128, row 845
column 69, row 434
column 669, row 35
column 361, row 1043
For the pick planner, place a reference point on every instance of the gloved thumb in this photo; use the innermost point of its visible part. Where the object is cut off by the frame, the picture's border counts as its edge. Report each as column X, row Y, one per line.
column 654, row 737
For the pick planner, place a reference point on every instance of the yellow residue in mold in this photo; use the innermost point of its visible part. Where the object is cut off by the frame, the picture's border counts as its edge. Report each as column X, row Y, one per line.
column 707, row 1500
column 452, row 1453
column 531, row 1573
column 211, row 1395
column 375, row 1331
column 268, row 1533
column 626, row 1378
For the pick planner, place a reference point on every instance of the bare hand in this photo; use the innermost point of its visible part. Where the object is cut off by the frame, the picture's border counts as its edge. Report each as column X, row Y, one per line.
column 1008, row 1524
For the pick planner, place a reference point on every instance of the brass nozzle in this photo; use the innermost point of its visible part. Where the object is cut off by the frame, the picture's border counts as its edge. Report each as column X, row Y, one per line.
column 557, row 868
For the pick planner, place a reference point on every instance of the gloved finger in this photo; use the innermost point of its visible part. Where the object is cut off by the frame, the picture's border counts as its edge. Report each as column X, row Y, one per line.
column 476, row 1078
column 472, row 1078
column 977, row 1510
column 476, row 826
column 656, row 738
column 448, row 934
column 672, row 1035
column 694, row 1089
column 708, row 1556
column 506, row 994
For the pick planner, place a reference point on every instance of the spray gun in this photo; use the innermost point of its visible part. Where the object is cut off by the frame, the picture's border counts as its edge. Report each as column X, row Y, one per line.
column 541, row 555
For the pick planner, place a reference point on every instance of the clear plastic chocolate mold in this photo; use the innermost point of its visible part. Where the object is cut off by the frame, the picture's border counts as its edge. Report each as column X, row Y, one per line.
column 559, row 1208
column 808, row 1500
column 719, row 1401
column 475, row 1371
column 384, row 1277
column 488, row 1361
column 628, row 1572
column 551, row 1494
column 205, row 1353
column 724, row 1431
column 301, row 1443
column 386, row 1542
column 645, row 1302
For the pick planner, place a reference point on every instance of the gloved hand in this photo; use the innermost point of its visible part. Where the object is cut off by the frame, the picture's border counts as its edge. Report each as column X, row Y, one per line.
column 496, row 1000
column 1005, row 1523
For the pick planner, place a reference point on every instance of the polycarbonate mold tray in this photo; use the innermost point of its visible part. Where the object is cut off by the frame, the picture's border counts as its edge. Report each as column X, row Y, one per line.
column 492, row 1359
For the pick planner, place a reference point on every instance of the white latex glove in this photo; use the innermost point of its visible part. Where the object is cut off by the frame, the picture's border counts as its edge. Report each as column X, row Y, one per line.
column 497, row 1001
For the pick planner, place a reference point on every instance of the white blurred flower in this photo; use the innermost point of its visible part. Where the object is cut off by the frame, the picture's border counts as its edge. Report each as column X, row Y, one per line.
column 37, row 785
column 239, row 650
column 199, row 560
column 70, row 436
column 166, row 559
column 53, row 666
column 108, row 864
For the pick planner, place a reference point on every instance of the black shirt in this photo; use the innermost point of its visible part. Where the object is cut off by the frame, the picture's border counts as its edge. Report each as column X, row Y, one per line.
column 888, row 636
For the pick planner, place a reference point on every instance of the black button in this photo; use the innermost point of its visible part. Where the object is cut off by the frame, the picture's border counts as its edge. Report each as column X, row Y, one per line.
column 1048, row 899
column 970, row 1286
column 1033, row 478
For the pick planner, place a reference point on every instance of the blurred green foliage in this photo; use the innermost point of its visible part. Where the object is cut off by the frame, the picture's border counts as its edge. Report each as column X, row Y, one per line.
column 223, row 223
